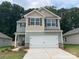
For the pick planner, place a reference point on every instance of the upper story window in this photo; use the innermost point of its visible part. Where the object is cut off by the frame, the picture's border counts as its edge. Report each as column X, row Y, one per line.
column 22, row 24
column 35, row 21
column 51, row 22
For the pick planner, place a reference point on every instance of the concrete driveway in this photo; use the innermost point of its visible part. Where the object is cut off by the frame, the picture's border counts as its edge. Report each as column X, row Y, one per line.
column 48, row 53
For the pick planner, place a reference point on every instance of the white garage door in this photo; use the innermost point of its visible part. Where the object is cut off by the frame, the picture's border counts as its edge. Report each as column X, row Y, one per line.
column 43, row 41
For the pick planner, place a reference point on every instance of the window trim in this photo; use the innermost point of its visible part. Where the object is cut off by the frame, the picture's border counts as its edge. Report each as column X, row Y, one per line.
column 52, row 21
column 35, row 21
column 22, row 24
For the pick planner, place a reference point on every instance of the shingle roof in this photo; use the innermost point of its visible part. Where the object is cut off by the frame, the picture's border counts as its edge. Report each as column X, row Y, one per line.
column 4, row 36
column 74, row 31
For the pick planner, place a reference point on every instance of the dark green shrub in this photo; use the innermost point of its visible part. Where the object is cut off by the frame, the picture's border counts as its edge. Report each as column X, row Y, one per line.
column 12, row 47
column 2, row 50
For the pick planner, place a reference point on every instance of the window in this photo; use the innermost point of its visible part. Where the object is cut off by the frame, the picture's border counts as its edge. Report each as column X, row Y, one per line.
column 51, row 22
column 35, row 21
column 32, row 21
column 48, row 23
column 38, row 21
column 22, row 24
column 56, row 22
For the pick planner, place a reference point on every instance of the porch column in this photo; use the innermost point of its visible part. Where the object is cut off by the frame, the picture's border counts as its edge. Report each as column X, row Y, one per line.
column 43, row 23
column 26, row 32
column 15, row 40
column 59, row 24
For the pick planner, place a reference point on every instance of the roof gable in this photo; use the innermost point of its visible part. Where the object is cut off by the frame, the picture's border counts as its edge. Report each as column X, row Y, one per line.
column 74, row 31
column 34, row 13
column 48, row 13
column 4, row 36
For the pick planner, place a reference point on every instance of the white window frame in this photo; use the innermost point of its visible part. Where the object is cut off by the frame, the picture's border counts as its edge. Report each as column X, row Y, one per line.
column 32, row 20
column 35, row 21
column 51, row 22
column 22, row 24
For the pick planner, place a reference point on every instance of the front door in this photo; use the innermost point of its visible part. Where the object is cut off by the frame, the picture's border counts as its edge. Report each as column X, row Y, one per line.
column 23, row 41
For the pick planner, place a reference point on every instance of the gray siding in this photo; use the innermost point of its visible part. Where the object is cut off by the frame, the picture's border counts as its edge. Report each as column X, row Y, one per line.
column 71, row 39
column 19, row 28
column 5, row 42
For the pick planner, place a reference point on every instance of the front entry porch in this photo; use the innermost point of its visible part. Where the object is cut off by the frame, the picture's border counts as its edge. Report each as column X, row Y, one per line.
column 19, row 40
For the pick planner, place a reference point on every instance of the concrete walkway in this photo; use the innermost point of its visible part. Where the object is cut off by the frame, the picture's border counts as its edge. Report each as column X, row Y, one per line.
column 53, row 53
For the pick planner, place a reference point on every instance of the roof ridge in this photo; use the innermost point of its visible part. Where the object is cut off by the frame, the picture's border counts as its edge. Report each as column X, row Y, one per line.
column 73, row 31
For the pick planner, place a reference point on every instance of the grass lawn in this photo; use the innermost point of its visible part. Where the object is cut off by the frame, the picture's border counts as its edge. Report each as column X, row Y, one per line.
column 73, row 49
column 3, row 48
column 10, row 54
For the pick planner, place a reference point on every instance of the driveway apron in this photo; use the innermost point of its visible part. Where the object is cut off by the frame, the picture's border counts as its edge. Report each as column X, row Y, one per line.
column 48, row 53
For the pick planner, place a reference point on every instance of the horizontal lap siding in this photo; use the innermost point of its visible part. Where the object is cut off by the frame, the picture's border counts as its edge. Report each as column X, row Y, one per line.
column 72, row 39
column 5, row 42
column 35, row 29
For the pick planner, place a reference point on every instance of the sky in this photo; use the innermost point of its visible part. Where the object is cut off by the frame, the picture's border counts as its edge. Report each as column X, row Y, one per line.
column 41, row 3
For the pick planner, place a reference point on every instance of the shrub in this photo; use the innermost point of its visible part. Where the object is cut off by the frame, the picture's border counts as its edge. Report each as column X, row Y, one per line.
column 2, row 50
column 12, row 47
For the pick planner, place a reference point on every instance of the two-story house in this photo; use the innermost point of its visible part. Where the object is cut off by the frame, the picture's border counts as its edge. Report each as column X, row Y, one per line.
column 39, row 28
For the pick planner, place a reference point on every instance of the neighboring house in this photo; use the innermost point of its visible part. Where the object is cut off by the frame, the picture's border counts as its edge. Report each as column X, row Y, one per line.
column 5, row 40
column 72, row 37
column 39, row 28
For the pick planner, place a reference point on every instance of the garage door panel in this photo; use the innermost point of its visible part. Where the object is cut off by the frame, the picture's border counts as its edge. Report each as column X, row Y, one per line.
column 44, row 41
